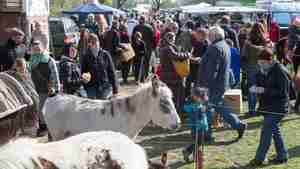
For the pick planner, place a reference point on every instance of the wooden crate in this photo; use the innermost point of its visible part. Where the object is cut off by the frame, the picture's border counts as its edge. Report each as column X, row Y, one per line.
column 233, row 99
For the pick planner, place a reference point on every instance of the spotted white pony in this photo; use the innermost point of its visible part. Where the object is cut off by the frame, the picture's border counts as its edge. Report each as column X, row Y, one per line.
column 91, row 150
column 68, row 115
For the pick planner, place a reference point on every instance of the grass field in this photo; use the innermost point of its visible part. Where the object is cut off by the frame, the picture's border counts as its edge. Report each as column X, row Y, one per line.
column 224, row 153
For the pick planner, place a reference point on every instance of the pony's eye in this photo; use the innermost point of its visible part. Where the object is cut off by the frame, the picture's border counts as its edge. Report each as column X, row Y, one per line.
column 164, row 106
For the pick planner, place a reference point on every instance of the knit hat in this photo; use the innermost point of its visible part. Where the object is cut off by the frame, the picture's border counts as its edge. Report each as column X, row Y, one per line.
column 15, row 31
column 225, row 19
column 169, row 36
column 296, row 21
column 266, row 54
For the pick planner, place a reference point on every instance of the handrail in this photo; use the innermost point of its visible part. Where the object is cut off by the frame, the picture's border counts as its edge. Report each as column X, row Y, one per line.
column 10, row 112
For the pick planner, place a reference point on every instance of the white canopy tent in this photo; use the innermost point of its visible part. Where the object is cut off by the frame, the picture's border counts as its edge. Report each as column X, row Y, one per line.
column 194, row 7
column 219, row 9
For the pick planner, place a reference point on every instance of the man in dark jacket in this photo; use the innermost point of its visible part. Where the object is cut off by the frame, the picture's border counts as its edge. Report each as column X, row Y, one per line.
column 99, row 64
column 112, row 42
column 229, row 32
column 214, row 75
column 45, row 77
column 148, row 37
column 274, row 91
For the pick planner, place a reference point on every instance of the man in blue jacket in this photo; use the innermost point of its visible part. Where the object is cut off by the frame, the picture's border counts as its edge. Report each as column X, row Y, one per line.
column 214, row 75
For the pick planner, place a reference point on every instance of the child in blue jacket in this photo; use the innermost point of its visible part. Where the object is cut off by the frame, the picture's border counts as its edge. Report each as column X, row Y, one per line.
column 196, row 108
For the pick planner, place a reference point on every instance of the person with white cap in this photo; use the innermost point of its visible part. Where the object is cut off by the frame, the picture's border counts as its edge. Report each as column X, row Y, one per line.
column 45, row 77
column 91, row 24
column 213, row 74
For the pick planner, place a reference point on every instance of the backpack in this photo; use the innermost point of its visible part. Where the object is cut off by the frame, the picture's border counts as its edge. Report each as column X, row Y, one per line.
column 64, row 69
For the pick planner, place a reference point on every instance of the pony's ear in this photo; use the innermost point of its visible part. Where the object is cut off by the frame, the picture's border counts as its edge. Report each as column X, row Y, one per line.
column 155, row 86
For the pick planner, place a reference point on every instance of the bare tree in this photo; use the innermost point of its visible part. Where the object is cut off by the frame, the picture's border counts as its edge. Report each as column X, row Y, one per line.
column 156, row 4
column 120, row 3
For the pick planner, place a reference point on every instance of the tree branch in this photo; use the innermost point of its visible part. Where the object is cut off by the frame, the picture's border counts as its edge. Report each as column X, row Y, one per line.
column 157, row 4
column 121, row 3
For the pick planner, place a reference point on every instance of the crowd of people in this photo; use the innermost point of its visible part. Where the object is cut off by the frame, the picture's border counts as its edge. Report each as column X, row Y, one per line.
column 219, row 55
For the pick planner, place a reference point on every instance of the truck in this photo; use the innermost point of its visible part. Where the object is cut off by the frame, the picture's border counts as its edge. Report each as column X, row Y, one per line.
column 281, row 11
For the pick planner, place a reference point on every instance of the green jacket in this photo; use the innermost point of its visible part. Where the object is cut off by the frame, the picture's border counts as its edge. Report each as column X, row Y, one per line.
column 250, row 54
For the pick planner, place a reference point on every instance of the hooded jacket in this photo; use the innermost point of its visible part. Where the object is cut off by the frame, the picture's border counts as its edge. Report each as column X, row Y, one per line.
column 249, row 55
column 277, row 87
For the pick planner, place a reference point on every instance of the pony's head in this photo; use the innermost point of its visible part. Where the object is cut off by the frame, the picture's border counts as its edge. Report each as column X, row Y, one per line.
column 164, row 111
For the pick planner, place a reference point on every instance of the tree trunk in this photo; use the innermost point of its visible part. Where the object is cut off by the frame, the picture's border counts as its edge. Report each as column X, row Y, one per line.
column 157, row 4
column 62, row 4
column 120, row 3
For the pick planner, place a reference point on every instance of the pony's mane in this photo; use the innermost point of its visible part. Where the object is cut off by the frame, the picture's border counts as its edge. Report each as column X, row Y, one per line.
column 19, row 154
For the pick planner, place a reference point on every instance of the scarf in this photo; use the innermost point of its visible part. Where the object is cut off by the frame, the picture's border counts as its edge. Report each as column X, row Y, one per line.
column 36, row 59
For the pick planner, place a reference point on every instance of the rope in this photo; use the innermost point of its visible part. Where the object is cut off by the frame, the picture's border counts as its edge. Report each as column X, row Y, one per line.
column 229, row 107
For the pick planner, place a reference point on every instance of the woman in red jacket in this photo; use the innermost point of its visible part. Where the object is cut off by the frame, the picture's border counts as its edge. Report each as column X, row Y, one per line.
column 274, row 32
column 155, row 46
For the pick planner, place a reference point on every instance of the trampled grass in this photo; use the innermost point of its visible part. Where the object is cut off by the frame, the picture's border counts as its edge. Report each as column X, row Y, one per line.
column 224, row 153
column 237, row 155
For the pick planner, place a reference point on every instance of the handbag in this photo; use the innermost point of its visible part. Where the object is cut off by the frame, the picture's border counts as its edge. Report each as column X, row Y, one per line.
column 126, row 52
column 182, row 68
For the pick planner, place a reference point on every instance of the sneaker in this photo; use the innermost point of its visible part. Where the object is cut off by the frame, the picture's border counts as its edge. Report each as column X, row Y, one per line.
column 251, row 114
column 242, row 130
column 42, row 130
column 186, row 156
column 277, row 161
column 256, row 163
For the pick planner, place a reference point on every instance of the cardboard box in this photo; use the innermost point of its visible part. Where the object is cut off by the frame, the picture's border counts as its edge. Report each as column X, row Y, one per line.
column 233, row 99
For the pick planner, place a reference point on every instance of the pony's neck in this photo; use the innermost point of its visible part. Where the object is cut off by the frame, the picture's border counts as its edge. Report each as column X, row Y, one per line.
column 144, row 112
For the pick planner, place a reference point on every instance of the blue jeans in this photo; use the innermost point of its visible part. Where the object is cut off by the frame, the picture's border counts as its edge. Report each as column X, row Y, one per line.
column 226, row 113
column 91, row 91
column 99, row 92
column 251, row 80
column 270, row 129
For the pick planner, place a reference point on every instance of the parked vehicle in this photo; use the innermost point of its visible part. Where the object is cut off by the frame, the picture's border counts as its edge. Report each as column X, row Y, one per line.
column 61, row 28
column 282, row 12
